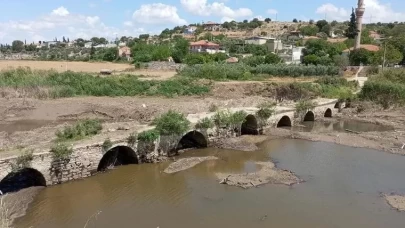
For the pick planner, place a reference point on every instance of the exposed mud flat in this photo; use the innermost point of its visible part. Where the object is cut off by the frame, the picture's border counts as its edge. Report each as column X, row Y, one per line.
column 243, row 143
column 186, row 163
column 396, row 201
column 267, row 174
column 14, row 205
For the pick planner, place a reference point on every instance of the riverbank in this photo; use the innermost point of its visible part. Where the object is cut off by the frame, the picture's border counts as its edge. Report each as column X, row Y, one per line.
column 396, row 201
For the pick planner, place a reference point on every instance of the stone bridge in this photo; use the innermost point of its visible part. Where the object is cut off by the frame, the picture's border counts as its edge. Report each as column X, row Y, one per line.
column 88, row 157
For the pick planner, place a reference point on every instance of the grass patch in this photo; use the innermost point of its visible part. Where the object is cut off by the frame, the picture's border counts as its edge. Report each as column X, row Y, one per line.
column 70, row 84
column 80, row 130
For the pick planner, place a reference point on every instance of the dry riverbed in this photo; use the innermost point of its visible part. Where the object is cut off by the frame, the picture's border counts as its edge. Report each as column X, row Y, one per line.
column 186, row 163
column 396, row 201
column 268, row 173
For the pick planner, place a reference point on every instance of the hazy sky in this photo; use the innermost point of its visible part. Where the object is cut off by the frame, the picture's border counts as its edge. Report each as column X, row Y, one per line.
column 45, row 19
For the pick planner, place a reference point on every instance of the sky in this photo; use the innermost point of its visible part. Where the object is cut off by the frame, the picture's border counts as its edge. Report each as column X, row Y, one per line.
column 44, row 19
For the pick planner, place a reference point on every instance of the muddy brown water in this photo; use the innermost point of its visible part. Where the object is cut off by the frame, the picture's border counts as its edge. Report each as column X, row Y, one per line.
column 342, row 189
column 341, row 126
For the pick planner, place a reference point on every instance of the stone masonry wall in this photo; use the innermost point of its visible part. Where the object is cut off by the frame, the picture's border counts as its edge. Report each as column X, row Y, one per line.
column 85, row 159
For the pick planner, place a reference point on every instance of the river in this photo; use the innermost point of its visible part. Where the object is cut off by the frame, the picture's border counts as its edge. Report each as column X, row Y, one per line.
column 342, row 189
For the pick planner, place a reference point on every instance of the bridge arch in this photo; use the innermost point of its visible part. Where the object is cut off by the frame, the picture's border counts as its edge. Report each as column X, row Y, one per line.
column 193, row 139
column 250, row 126
column 24, row 178
column 328, row 113
column 117, row 156
column 310, row 116
column 285, row 121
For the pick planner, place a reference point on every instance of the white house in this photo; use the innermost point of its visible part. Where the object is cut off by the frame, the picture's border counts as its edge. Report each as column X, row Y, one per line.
column 88, row 44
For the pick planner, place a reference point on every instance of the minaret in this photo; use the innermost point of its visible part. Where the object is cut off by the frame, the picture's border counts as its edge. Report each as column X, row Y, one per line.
column 359, row 18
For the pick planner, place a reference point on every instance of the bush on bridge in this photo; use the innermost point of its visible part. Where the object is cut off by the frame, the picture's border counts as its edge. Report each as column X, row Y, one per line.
column 83, row 128
column 171, row 123
column 205, row 123
column 266, row 110
column 22, row 161
column 303, row 106
column 107, row 144
column 148, row 136
column 231, row 121
column 61, row 151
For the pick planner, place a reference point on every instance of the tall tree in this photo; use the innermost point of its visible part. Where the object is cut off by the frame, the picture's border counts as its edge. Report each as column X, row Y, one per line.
column 17, row 46
column 351, row 31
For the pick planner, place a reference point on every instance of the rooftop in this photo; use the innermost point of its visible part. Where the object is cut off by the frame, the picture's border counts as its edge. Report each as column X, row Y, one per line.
column 203, row 43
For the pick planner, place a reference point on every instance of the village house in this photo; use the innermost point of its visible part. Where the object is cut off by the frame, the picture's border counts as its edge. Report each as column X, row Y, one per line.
column 212, row 26
column 124, row 52
column 205, row 46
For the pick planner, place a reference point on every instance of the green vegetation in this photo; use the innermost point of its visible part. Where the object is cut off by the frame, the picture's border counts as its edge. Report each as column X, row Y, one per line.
column 70, row 84
column 303, row 106
column 83, row 128
column 23, row 161
column 232, row 121
column 131, row 140
column 107, row 144
column 148, row 136
column 171, row 123
column 266, row 110
column 222, row 72
column 386, row 89
column 205, row 123
column 61, row 151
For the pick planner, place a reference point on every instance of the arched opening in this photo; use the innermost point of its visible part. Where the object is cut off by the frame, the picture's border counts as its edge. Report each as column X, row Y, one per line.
column 328, row 113
column 193, row 139
column 24, row 178
column 250, row 126
column 285, row 121
column 310, row 116
column 338, row 105
column 117, row 156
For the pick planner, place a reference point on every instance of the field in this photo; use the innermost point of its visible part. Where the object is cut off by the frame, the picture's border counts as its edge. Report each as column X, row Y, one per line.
column 88, row 67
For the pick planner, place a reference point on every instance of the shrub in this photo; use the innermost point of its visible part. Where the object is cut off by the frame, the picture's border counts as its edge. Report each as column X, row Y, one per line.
column 171, row 123
column 22, row 161
column 205, row 123
column 303, row 106
column 131, row 140
column 148, row 136
column 386, row 89
column 237, row 119
column 81, row 129
column 107, row 144
column 61, row 151
column 266, row 110
column 222, row 119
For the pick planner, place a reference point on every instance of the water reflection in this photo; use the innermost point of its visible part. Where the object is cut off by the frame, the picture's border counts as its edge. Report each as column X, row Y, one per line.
column 340, row 126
